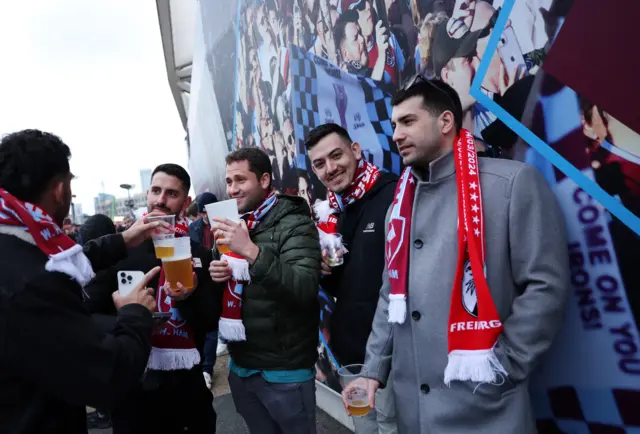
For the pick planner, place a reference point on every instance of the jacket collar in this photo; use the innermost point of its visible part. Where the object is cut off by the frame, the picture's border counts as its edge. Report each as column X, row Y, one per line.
column 439, row 169
column 18, row 233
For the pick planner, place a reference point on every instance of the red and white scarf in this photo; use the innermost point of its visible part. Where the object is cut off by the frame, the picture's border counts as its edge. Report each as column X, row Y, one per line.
column 33, row 224
column 173, row 344
column 365, row 177
column 230, row 326
column 474, row 328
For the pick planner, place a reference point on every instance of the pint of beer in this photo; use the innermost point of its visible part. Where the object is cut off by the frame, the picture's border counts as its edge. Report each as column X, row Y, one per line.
column 163, row 248
column 355, row 387
column 227, row 209
column 178, row 267
column 223, row 249
column 358, row 402
column 163, row 241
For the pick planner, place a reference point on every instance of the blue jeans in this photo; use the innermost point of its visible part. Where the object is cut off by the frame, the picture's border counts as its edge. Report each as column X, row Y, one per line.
column 210, row 348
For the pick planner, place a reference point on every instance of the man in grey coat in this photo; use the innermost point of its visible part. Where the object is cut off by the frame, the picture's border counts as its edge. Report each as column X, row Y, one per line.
column 524, row 255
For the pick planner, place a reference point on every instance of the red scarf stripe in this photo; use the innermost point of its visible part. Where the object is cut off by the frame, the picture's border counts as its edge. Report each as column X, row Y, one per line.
column 471, row 328
column 48, row 236
column 230, row 326
column 365, row 177
column 175, row 333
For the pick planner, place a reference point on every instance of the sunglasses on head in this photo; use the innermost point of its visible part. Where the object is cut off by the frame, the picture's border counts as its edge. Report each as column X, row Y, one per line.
column 418, row 79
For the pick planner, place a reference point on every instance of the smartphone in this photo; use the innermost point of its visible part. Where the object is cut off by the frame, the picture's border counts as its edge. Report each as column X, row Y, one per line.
column 127, row 280
column 511, row 54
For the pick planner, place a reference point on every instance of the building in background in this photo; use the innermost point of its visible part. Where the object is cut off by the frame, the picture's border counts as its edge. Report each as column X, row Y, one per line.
column 75, row 213
column 105, row 204
column 139, row 201
column 145, row 179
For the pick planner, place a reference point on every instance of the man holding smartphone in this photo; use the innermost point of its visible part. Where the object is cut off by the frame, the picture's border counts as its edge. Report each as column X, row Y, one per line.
column 54, row 359
column 174, row 371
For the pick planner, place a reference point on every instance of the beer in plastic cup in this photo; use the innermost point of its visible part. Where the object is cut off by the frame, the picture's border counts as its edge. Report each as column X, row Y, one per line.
column 335, row 254
column 226, row 209
column 179, row 267
column 163, row 240
column 358, row 398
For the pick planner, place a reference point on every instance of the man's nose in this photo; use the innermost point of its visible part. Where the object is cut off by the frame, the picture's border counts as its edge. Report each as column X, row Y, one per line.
column 331, row 166
column 232, row 189
column 398, row 135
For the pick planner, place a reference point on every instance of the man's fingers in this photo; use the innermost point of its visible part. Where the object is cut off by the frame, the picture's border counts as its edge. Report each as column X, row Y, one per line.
column 346, row 404
column 149, row 277
column 371, row 394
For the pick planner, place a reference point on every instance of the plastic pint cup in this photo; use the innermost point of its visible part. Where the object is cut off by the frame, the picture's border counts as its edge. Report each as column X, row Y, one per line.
column 357, row 398
column 179, row 267
column 227, row 209
column 163, row 240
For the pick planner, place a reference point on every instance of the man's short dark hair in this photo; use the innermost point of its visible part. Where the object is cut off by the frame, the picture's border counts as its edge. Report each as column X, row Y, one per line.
column 177, row 171
column 319, row 133
column 437, row 97
column 259, row 162
column 29, row 161
column 345, row 18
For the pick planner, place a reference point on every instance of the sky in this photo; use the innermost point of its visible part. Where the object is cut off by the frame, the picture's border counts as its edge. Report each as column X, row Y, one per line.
column 92, row 72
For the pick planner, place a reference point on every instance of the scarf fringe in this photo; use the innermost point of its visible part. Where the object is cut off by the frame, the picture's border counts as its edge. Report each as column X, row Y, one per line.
column 397, row 308
column 73, row 263
column 239, row 268
column 323, row 210
column 480, row 366
column 231, row 330
column 172, row 359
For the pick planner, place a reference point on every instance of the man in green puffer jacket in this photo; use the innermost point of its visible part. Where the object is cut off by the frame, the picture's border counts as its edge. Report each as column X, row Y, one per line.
column 273, row 354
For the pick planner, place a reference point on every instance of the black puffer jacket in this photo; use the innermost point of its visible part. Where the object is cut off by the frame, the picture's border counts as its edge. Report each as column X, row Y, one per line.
column 356, row 284
column 280, row 307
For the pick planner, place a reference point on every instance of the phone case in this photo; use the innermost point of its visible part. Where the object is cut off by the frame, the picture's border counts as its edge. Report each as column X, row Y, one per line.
column 127, row 280
column 510, row 52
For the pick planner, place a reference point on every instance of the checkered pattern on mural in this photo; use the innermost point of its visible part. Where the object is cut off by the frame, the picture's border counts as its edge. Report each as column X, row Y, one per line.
column 587, row 411
column 379, row 110
column 304, row 100
column 304, row 103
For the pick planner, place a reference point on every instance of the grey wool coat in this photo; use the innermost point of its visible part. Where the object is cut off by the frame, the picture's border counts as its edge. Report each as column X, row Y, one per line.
column 528, row 275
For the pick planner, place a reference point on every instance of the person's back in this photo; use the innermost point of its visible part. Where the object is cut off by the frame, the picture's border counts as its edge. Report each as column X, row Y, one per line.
column 53, row 360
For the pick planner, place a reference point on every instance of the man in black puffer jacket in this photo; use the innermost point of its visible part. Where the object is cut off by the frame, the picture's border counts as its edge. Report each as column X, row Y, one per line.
column 271, row 371
column 359, row 196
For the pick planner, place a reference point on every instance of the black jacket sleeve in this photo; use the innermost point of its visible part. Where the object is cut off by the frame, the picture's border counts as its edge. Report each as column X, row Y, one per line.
column 53, row 342
column 98, row 293
column 203, row 308
column 105, row 251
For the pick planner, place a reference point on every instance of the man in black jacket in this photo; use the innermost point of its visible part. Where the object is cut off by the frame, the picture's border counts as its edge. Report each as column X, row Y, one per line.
column 359, row 196
column 53, row 359
column 172, row 395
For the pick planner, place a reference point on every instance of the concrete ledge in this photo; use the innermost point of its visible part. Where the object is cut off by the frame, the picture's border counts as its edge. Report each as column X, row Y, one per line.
column 331, row 403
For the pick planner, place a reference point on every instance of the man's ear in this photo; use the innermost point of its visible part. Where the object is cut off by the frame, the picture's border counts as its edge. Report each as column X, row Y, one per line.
column 186, row 204
column 447, row 123
column 265, row 180
column 58, row 191
column 357, row 150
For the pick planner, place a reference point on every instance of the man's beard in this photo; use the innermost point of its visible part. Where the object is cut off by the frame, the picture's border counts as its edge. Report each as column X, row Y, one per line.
column 252, row 203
